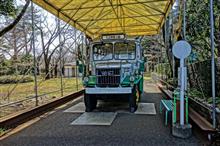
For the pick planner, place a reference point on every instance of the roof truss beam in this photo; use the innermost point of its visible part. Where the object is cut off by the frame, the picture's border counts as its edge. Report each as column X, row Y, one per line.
column 128, row 26
column 123, row 4
column 123, row 17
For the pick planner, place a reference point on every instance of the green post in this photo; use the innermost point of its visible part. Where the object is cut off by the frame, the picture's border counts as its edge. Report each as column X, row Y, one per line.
column 175, row 98
column 174, row 105
column 187, row 117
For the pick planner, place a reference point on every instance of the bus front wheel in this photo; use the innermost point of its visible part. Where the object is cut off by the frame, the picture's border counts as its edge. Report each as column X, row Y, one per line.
column 90, row 102
column 133, row 100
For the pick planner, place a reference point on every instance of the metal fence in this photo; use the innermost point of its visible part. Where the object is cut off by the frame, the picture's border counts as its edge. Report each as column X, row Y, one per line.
column 26, row 81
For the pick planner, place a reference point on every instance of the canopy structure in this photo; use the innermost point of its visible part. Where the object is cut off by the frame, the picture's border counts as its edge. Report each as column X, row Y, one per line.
column 96, row 17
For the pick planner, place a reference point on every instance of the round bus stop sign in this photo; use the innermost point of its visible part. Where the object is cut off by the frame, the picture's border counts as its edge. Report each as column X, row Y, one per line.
column 181, row 49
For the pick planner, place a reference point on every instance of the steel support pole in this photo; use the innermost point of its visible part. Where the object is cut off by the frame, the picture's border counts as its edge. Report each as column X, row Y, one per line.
column 60, row 58
column 173, row 58
column 82, row 53
column 158, row 65
column 165, row 31
column 82, row 40
column 86, row 56
column 213, row 64
column 184, row 19
column 76, row 58
column 34, row 54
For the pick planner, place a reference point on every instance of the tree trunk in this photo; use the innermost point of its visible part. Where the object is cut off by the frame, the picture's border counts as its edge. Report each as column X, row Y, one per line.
column 47, row 69
column 56, row 69
column 15, row 51
column 25, row 38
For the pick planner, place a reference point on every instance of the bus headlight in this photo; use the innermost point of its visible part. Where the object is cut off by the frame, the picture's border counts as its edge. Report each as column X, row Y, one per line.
column 86, row 79
column 132, row 78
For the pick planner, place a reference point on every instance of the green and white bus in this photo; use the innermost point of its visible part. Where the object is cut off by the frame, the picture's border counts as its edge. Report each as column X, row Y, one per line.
column 116, row 67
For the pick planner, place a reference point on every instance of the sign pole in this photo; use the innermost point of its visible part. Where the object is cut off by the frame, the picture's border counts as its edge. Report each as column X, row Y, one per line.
column 213, row 64
column 182, row 74
column 182, row 129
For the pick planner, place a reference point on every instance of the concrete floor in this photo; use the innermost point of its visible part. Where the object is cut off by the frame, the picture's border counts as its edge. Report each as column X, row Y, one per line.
column 126, row 129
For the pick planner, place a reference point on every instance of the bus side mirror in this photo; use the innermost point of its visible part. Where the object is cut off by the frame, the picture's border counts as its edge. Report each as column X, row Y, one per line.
column 80, row 68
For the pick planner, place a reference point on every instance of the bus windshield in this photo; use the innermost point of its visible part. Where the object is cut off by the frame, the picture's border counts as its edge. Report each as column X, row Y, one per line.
column 124, row 50
column 103, row 51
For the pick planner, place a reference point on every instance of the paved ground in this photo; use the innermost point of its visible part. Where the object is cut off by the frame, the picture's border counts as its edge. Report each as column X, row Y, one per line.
column 127, row 129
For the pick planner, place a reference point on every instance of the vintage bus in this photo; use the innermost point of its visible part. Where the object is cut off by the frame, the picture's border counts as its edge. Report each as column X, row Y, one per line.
column 116, row 65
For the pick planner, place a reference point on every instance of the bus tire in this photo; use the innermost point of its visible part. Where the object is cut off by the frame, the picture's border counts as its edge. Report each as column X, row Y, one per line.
column 132, row 100
column 90, row 102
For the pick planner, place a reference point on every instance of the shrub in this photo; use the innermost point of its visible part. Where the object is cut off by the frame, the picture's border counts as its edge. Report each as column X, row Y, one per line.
column 15, row 79
column 193, row 92
column 2, row 131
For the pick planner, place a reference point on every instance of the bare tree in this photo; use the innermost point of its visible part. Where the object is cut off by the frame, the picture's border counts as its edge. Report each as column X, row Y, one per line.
column 49, row 43
column 16, row 20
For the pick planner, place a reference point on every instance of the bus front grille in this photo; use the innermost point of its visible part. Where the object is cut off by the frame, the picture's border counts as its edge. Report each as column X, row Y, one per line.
column 108, row 77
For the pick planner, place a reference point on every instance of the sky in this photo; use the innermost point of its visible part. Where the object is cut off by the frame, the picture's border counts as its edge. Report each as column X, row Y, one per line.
column 51, row 20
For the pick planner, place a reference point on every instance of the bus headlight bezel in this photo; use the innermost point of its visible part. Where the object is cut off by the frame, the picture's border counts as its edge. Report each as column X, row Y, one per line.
column 86, row 79
column 132, row 78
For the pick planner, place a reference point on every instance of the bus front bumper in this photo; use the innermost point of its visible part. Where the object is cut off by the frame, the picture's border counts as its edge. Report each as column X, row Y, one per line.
column 109, row 90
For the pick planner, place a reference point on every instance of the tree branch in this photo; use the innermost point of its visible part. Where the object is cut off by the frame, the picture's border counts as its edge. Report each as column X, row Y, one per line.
column 15, row 22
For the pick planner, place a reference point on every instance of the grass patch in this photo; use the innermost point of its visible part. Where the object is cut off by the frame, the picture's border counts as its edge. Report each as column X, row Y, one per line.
column 147, row 76
column 19, row 91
